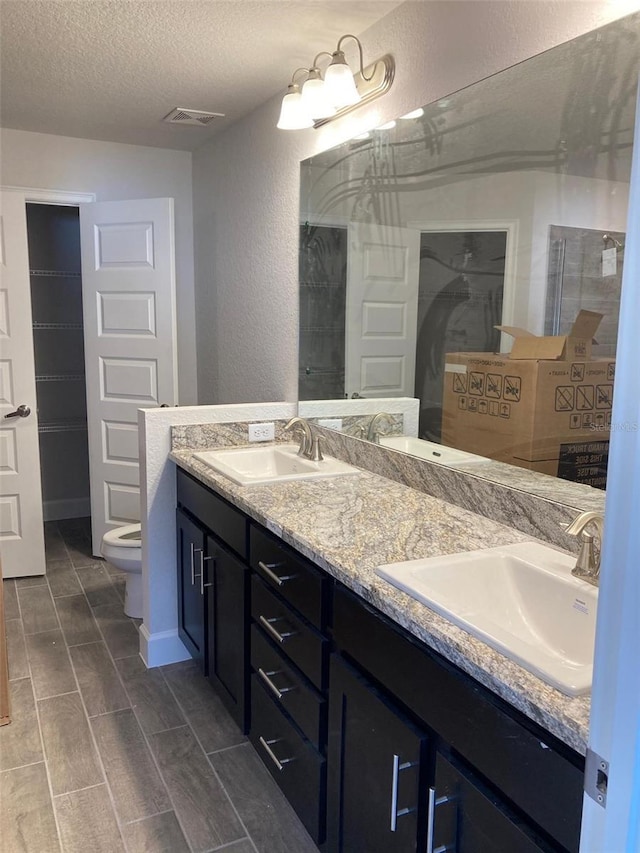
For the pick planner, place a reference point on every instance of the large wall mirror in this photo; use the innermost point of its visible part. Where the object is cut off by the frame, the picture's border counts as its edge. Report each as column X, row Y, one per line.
column 503, row 204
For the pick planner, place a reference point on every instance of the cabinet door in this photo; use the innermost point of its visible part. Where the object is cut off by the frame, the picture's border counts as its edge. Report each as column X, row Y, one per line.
column 226, row 583
column 377, row 760
column 191, row 613
column 466, row 818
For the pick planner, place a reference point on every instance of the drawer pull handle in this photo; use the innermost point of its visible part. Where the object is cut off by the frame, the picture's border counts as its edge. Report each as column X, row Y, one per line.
column 396, row 768
column 279, row 762
column 200, row 574
column 280, row 637
column 193, row 569
column 265, row 676
column 203, row 559
column 267, row 568
column 431, row 821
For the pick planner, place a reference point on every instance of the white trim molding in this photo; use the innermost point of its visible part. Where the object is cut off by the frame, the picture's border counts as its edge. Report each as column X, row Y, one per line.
column 512, row 227
column 60, row 197
column 162, row 648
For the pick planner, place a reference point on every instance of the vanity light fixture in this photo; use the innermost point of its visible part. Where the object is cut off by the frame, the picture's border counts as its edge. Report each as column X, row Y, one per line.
column 292, row 113
column 321, row 99
column 316, row 99
column 338, row 77
column 386, row 126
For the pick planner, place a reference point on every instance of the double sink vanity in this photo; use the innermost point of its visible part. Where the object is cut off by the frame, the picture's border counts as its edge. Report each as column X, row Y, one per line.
column 413, row 675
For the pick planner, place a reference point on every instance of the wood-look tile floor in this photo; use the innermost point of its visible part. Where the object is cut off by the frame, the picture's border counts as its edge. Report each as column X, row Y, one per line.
column 103, row 755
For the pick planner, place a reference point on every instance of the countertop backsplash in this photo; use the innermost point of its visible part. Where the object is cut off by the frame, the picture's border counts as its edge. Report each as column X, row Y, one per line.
column 536, row 515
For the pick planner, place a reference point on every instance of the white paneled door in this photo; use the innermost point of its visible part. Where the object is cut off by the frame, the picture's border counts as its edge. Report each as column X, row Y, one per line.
column 21, row 529
column 382, row 310
column 128, row 294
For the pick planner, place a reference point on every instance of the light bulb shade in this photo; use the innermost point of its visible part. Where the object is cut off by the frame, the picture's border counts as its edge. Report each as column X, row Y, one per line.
column 414, row 114
column 339, row 83
column 293, row 115
column 314, row 97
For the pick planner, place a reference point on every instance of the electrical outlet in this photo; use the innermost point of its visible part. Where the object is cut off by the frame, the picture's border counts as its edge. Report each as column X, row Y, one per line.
column 331, row 423
column 262, row 432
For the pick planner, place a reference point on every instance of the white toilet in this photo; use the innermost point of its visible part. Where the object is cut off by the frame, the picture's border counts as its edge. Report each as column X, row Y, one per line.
column 122, row 547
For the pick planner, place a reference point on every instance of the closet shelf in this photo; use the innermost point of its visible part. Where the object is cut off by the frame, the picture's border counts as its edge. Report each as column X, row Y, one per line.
column 37, row 325
column 60, row 377
column 56, row 273
column 71, row 425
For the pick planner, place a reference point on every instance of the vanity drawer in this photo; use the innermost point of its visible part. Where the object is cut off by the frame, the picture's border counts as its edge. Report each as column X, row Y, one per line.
column 538, row 773
column 294, row 636
column 299, row 699
column 228, row 523
column 293, row 577
column 295, row 765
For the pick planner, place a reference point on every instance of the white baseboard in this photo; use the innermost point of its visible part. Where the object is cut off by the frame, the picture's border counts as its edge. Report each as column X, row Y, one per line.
column 161, row 648
column 71, row 508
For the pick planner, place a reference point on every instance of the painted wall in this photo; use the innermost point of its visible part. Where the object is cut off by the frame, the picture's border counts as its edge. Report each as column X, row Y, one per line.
column 114, row 171
column 246, row 180
column 159, row 641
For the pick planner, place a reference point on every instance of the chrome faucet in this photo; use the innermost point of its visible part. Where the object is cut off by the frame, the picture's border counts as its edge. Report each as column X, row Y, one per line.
column 587, row 565
column 301, row 426
column 373, row 434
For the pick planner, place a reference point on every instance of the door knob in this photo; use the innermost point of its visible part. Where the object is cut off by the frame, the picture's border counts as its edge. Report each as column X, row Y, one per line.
column 21, row 412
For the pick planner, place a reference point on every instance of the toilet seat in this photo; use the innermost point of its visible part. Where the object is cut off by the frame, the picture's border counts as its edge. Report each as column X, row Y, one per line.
column 129, row 536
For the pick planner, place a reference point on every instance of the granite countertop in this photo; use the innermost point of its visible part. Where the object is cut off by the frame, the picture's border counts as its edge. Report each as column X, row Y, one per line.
column 349, row 525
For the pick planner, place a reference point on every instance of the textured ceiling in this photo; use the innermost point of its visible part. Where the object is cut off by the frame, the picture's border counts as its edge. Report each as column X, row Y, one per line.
column 112, row 69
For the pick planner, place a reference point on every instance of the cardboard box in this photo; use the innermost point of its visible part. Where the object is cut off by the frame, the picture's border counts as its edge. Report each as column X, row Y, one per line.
column 551, row 415
column 576, row 346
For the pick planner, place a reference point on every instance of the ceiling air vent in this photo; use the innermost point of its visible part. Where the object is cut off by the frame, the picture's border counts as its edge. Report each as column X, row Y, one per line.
column 193, row 117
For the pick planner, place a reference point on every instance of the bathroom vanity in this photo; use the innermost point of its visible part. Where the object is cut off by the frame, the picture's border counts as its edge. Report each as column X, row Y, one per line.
column 387, row 727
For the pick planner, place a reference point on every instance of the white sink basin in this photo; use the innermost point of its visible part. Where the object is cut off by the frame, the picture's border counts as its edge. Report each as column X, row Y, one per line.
column 430, row 450
column 250, row 466
column 520, row 599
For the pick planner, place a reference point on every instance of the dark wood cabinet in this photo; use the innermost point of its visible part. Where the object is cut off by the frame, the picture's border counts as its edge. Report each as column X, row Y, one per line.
column 465, row 817
column 378, row 742
column 306, row 647
column 377, row 770
column 290, row 660
column 385, row 795
column 213, row 592
column 289, row 687
column 297, row 767
column 226, row 585
column 531, row 774
column 191, row 602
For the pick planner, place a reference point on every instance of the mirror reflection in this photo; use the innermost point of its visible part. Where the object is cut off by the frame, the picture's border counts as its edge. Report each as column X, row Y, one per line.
column 432, row 252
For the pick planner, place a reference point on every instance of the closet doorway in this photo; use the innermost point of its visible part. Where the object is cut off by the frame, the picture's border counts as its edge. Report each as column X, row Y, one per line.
column 53, row 235
column 113, row 306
